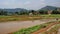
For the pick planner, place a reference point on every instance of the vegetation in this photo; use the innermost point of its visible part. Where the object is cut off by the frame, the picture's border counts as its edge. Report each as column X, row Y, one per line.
column 26, row 17
column 17, row 18
column 51, row 16
column 53, row 30
column 36, row 15
column 26, row 12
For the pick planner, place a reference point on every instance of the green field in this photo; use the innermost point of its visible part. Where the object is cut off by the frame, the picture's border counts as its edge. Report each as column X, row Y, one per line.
column 26, row 17
column 51, row 16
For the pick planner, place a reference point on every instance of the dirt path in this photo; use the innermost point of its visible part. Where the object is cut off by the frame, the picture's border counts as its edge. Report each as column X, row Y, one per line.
column 44, row 29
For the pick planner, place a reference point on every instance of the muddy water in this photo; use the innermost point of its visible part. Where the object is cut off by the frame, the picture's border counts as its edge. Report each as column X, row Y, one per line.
column 59, row 31
column 17, row 25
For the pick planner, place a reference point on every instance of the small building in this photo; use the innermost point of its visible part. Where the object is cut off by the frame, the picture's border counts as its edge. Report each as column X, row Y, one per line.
column 49, row 12
column 30, row 14
column 58, row 9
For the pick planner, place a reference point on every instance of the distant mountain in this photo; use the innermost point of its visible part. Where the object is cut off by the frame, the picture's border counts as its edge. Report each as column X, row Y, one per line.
column 49, row 8
column 14, row 10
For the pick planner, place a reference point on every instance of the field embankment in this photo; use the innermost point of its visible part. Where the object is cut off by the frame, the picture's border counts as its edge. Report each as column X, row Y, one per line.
column 26, row 17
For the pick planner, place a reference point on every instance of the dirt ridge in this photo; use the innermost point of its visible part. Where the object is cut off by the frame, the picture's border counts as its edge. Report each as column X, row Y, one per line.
column 45, row 29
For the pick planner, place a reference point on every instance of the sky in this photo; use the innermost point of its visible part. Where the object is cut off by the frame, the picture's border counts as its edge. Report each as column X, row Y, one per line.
column 28, row 4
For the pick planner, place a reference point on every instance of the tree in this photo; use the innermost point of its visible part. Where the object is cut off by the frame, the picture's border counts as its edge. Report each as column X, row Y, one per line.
column 2, row 12
column 55, row 12
column 16, row 13
column 33, row 12
column 43, row 11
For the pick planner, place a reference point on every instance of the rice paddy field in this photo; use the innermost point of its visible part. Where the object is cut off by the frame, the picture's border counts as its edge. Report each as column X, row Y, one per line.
column 31, row 29
column 26, row 17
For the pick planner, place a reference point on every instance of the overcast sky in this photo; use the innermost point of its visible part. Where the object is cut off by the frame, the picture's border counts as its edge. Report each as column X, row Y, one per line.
column 28, row 4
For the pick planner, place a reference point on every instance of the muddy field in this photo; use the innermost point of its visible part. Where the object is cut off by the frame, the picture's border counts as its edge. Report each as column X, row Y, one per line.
column 17, row 25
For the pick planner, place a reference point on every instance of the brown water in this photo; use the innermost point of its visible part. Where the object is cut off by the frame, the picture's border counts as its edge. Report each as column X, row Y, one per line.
column 59, row 31
column 17, row 25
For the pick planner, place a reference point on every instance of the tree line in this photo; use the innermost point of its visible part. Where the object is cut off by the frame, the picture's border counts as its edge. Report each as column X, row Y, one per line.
column 2, row 12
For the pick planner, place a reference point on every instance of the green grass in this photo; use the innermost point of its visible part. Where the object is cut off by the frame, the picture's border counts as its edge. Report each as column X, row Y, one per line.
column 51, row 16
column 32, row 29
column 26, row 17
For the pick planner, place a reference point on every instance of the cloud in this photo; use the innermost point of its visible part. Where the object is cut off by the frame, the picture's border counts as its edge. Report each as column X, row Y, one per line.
column 29, row 4
column 34, row 4
column 56, row 4
column 7, row 2
column 42, row 0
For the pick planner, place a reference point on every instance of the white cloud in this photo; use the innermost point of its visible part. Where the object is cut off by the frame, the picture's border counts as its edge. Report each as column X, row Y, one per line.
column 27, row 2
column 30, row 4
column 42, row 0
column 37, row 4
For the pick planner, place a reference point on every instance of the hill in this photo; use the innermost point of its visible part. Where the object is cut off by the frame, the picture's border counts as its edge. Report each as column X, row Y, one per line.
column 49, row 8
column 14, row 10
